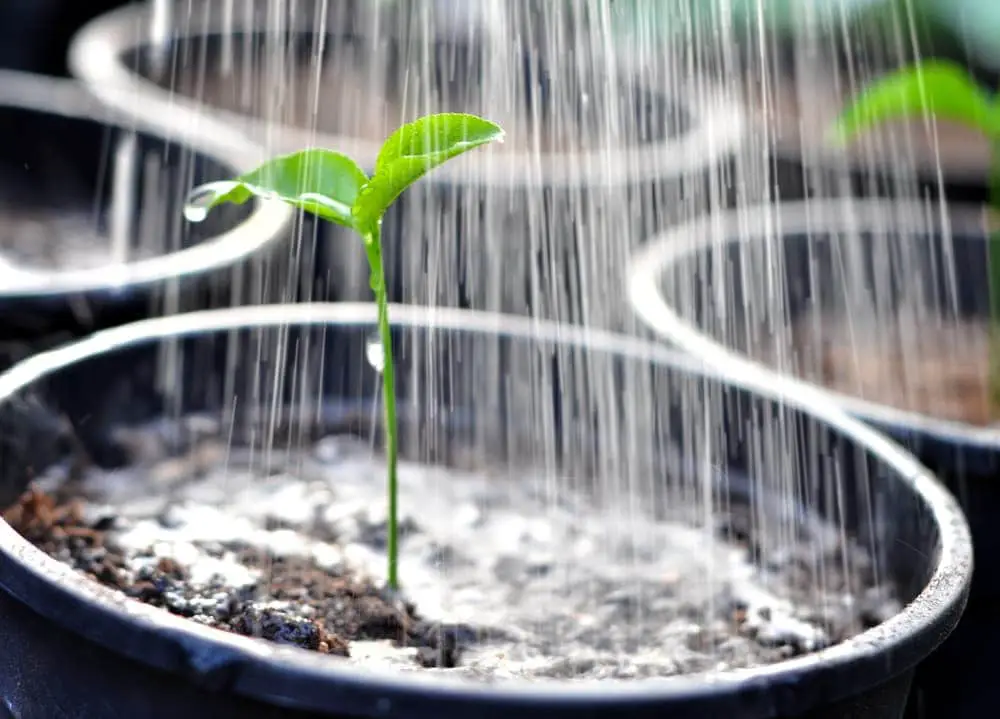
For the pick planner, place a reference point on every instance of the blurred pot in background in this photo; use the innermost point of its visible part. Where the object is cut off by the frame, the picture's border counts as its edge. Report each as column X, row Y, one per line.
column 34, row 34
column 92, row 232
column 796, row 61
column 595, row 146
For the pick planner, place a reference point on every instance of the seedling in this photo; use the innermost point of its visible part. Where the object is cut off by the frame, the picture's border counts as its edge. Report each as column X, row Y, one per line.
column 944, row 90
column 333, row 187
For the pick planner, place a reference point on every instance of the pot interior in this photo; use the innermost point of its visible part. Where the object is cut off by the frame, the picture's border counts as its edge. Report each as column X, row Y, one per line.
column 363, row 84
column 635, row 438
column 894, row 316
column 78, row 193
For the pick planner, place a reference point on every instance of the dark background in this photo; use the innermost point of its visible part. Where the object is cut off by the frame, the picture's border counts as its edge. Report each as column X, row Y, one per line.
column 35, row 34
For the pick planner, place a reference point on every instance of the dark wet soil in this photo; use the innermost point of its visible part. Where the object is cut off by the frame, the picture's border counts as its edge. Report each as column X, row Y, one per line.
column 298, row 603
column 500, row 582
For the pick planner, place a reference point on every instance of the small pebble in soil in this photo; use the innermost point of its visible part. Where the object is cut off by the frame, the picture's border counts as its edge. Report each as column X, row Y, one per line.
column 499, row 583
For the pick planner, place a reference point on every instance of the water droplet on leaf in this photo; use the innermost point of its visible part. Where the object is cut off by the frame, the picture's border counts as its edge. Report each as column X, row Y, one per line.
column 203, row 198
column 193, row 213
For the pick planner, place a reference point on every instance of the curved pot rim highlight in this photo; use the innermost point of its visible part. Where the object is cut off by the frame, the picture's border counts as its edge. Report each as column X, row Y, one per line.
column 717, row 125
column 850, row 215
column 253, row 667
column 67, row 98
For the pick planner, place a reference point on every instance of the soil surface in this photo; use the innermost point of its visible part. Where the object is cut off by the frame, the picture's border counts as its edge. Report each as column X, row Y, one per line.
column 941, row 371
column 310, row 606
column 500, row 580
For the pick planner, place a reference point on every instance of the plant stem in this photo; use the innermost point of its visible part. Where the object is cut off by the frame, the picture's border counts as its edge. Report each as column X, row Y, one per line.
column 373, row 247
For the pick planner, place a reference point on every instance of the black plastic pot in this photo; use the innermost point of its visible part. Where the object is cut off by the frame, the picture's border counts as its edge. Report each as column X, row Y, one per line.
column 694, row 287
column 94, row 232
column 71, row 647
column 533, row 213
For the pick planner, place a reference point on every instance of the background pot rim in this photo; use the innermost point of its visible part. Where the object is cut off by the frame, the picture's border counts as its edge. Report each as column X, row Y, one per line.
column 266, row 224
column 246, row 664
column 716, row 120
column 679, row 243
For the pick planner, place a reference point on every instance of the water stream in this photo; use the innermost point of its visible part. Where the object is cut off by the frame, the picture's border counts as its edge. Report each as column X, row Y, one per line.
column 586, row 92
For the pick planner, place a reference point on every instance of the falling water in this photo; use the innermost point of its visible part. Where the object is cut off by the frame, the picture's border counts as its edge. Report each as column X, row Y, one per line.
column 123, row 202
column 587, row 93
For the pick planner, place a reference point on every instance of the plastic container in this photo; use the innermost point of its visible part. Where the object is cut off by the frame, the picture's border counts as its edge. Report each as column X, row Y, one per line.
column 91, row 215
column 72, row 647
column 692, row 286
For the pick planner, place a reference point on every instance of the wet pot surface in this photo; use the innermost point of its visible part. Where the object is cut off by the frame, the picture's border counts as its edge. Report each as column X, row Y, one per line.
column 865, row 298
column 154, row 477
column 903, row 328
column 897, row 318
column 70, row 184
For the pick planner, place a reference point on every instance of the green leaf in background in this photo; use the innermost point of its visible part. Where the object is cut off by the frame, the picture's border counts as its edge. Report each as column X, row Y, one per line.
column 322, row 182
column 938, row 88
column 415, row 149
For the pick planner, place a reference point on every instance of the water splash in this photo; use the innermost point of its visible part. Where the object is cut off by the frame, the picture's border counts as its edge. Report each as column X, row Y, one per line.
column 124, row 200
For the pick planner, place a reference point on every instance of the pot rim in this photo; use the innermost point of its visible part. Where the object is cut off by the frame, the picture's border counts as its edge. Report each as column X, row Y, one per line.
column 251, row 665
column 679, row 243
column 67, row 98
column 717, row 125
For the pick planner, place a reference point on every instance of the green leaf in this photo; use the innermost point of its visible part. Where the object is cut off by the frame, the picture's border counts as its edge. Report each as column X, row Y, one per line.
column 415, row 149
column 939, row 88
column 322, row 182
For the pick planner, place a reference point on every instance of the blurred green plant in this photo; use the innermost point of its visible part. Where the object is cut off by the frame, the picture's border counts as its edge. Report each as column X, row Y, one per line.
column 943, row 90
column 333, row 187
